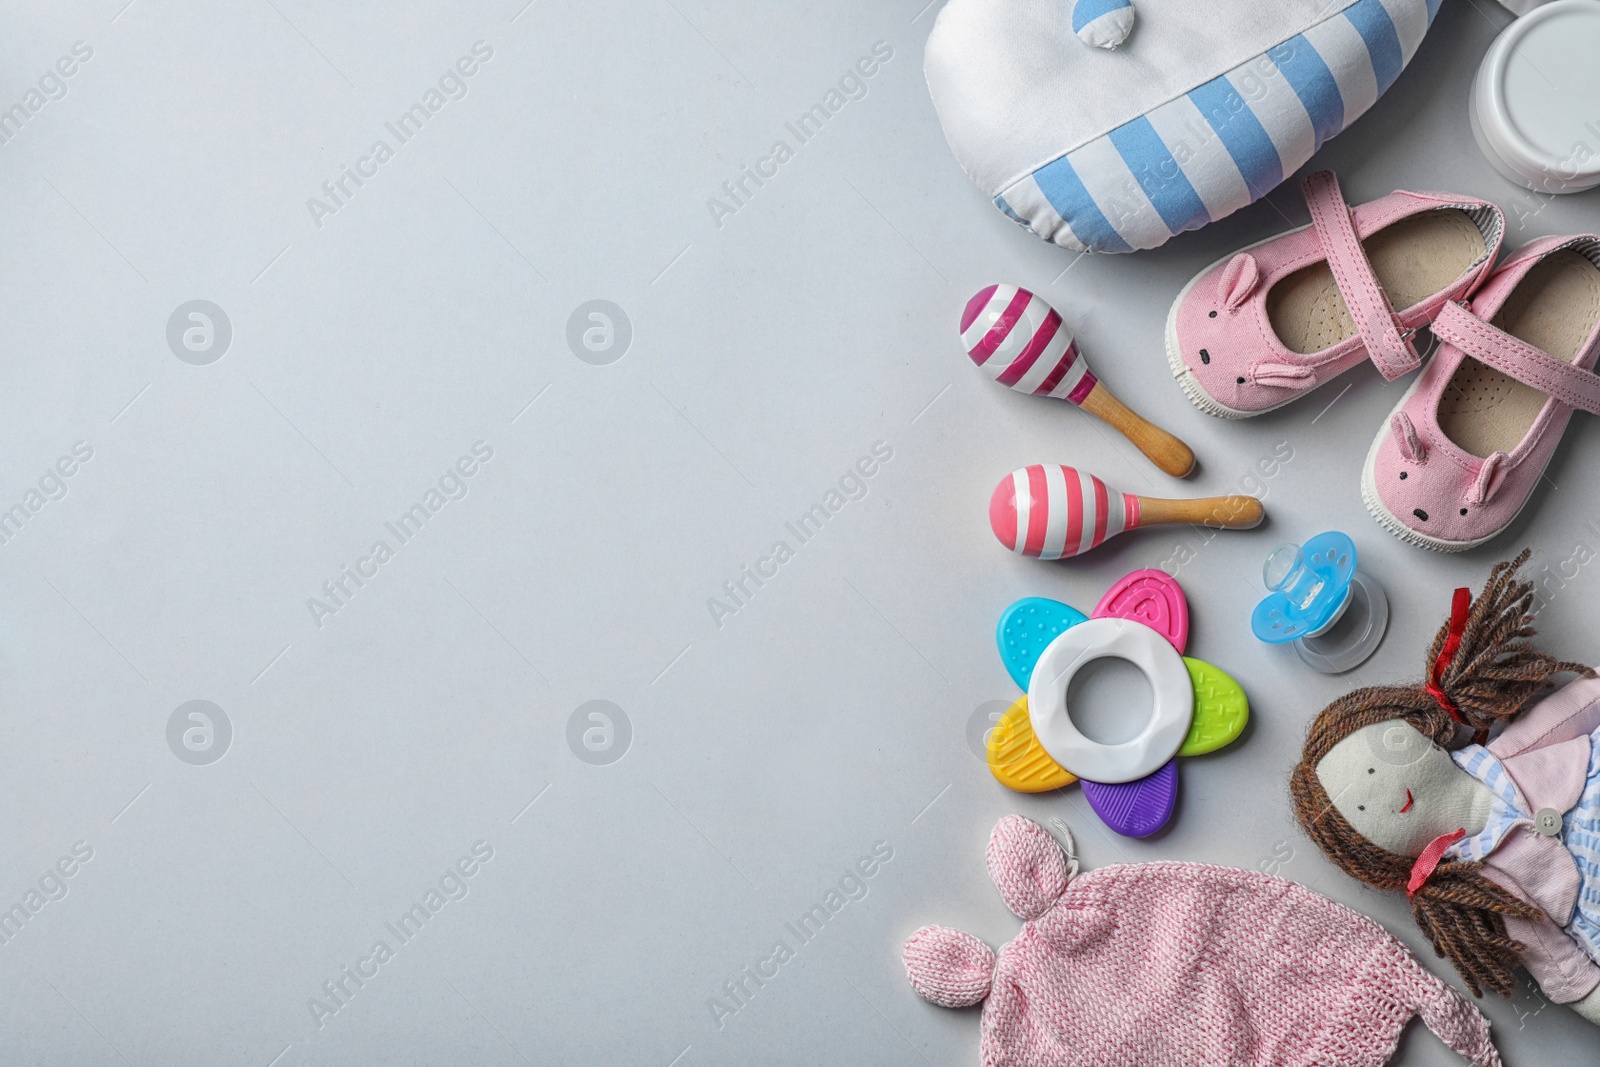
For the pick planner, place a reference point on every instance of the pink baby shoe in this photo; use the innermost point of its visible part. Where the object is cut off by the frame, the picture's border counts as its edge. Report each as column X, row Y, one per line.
column 1271, row 323
column 1466, row 445
column 1181, row 965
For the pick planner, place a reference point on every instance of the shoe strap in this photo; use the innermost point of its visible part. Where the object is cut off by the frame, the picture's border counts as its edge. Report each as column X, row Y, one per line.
column 1387, row 343
column 1516, row 358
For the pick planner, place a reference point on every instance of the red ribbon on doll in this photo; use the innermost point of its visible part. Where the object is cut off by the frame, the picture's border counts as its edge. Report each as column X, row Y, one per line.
column 1459, row 606
column 1452, row 642
column 1423, row 869
column 1428, row 862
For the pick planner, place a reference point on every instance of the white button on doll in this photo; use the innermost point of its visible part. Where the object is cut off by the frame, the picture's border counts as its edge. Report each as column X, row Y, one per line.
column 1496, row 842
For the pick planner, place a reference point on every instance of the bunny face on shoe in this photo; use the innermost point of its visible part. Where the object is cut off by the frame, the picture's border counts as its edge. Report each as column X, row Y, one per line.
column 1271, row 323
column 1467, row 445
column 1430, row 486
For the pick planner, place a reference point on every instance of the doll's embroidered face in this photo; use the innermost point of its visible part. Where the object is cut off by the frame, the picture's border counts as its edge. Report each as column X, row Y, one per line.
column 1396, row 787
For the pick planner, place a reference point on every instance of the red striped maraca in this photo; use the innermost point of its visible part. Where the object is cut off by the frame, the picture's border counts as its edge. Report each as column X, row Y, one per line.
column 1021, row 342
column 1052, row 512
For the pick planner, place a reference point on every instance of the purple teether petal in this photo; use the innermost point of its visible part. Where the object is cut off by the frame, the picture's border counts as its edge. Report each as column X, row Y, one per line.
column 1138, row 808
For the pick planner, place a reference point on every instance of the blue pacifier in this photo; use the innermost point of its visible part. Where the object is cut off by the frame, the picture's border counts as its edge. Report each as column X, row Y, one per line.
column 1332, row 613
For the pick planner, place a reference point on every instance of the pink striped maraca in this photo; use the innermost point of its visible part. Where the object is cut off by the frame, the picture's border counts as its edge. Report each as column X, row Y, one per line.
column 1051, row 512
column 1020, row 341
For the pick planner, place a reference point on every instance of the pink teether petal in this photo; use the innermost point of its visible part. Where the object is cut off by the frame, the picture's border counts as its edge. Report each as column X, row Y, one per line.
column 1152, row 597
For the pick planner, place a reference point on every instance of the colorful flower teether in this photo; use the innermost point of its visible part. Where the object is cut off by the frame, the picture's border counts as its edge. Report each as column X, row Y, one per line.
column 1133, row 786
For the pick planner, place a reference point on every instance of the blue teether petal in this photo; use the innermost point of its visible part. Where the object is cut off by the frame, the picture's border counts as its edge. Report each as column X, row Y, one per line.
column 1026, row 627
column 1330, row 564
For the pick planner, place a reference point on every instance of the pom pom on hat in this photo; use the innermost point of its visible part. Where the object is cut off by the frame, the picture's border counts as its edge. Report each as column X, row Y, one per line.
column 951, row 968
column 1102, row 23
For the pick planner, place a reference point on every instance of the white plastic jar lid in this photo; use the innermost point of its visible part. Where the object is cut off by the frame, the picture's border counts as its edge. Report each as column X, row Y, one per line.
column 1535, row 105
column 1170, row 685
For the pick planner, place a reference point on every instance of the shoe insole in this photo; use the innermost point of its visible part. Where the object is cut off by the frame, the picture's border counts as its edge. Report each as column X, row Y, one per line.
column 1413, row 259
column 1554, row 308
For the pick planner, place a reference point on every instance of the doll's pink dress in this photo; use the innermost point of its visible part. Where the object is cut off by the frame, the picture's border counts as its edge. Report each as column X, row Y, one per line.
column 1542, row 839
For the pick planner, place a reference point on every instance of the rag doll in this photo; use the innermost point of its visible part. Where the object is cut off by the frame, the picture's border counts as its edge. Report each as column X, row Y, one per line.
column 1179, row 965
column 1494, row 840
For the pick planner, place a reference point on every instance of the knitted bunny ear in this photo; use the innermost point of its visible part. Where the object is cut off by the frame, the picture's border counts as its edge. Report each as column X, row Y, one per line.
column 949, row 967
column 1027, row 866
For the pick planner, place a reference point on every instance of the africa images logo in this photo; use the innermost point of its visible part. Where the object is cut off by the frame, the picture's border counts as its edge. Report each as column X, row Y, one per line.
column 199, row 332
column 599, row 332
column 599, row 732
column 199, row 732
column 52, row 85
column 853, row 84
column 852, row 886
column 51, row 486
column 453, row 484
column 339, row 190
column 852, row 485
column 50, row 886
column 451, row 886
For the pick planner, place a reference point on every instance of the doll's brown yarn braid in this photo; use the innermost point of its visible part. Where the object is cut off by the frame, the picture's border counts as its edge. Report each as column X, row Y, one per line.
column 1493, row 673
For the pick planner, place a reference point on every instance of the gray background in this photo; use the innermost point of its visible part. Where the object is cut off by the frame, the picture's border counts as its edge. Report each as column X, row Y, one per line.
column 431, row 711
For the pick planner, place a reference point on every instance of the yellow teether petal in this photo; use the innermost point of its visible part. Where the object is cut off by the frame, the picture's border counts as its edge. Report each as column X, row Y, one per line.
column 1220, row 709
column 1016, row 758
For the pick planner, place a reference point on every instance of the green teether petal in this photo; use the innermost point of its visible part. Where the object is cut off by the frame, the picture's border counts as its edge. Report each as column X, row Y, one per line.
column 1220, row 709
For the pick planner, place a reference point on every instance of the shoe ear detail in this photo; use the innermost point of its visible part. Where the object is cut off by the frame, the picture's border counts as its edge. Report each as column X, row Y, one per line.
column 1286, row 375
column 1488, row 479
column 1238, row 281
column 1407, row 439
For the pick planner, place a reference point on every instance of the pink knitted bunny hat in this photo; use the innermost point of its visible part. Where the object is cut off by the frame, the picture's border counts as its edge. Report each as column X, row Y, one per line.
column 1158, row 964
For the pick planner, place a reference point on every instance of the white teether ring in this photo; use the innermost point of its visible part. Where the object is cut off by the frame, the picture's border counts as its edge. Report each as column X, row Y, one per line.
column 1169, row 682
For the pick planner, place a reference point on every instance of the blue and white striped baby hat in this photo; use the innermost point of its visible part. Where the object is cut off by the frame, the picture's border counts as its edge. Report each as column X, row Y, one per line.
column 1201, row 112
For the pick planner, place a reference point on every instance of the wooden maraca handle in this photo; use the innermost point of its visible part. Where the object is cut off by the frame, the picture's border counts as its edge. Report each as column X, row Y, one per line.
column 1163, row 449
column 1226, row 512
